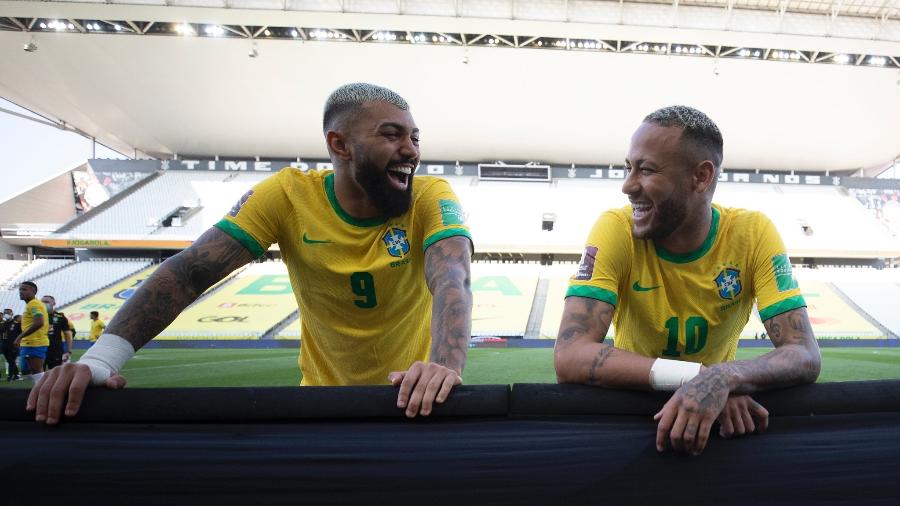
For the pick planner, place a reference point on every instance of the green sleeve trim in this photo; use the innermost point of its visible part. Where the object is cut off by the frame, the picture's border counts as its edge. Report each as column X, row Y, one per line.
column 239, row 235
column 443, row 234
column 697, row 253
column 782, row 307
column 591, row 292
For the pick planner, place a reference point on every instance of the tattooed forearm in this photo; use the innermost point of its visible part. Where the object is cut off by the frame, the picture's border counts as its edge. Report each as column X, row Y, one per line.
column 795, row 360
column 594, row 373
column 448, row 278
column 175, row 284
column 581, row 356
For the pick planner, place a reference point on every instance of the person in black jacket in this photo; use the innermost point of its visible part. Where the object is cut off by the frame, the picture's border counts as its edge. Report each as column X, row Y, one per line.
column 59, row 333
column 9, row 329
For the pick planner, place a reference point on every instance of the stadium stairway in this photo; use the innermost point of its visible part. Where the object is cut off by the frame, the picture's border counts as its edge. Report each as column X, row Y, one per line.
column 533, row 328
column 273, row 332
column 115, row 199
column 862, row 312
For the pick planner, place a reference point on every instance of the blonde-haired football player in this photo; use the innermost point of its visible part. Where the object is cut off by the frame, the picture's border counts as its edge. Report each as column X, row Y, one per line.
column 379, row 265
column 678, row 276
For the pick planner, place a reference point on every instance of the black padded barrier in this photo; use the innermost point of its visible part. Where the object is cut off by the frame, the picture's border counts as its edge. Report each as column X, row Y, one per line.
column 816, row 399
column 211, row 405
column 486, row 445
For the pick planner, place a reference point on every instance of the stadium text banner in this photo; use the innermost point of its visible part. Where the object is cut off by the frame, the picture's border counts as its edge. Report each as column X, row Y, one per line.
column 571, row 171
column 114, row 243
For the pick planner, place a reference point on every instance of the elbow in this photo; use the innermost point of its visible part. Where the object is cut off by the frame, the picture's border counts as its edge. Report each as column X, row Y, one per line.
column 813, row 366
column 563, row 366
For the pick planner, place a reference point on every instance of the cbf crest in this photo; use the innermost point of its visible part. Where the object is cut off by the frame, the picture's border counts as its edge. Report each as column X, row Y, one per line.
column 729, row 283
column 396, row 242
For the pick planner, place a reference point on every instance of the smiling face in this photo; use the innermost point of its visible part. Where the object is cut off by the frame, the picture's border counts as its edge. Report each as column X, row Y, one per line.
column 384, row 146
column 659, row 182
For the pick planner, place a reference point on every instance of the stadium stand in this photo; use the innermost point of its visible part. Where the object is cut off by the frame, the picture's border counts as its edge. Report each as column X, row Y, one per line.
column 10, row 269
column 814, row 220
column 76, row 280
column 201, row 198
column 874, row 292
column 36, row 269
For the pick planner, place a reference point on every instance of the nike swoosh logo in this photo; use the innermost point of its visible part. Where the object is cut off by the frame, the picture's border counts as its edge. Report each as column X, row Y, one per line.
column 307, row 240
column 638, row 288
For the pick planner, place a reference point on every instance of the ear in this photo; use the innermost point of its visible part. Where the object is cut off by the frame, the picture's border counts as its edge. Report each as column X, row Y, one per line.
column 704, row 176
column 337, row 145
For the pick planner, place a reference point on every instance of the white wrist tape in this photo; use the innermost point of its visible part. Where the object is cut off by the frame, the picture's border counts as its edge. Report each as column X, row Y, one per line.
column 106, row 357
column 669, row 375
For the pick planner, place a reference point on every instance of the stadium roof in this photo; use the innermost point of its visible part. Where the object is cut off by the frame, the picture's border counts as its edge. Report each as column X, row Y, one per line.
column 145, row 88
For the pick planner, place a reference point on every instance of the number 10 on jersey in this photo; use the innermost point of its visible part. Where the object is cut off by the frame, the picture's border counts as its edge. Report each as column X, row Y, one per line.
column 695, row 330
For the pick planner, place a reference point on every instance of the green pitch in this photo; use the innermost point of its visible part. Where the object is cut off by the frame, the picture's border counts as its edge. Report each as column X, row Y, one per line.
column 278, row 367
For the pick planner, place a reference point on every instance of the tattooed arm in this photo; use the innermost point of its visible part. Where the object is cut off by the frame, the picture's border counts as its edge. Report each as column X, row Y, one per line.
column 794, row 361
column 175, row 285
column 159, row 299
column 447, row 275
column 581, row 356
column 687, row 418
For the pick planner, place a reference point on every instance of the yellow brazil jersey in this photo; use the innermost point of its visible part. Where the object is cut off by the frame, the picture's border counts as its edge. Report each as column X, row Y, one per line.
column 39, row 337
column 97, row 327
column 693, row 306
column 360, row 284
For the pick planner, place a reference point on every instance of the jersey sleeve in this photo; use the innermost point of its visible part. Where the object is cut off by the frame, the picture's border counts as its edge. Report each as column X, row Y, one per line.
column 777, row 291
column 441, row 214
column 605, row 260
column 255, row 219
column 34, row 309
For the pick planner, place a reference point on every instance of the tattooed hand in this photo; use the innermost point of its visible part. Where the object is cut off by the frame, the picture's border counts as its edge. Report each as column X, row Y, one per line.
column 685, row 420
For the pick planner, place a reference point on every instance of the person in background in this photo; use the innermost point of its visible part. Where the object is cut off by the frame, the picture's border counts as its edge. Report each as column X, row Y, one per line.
column 97, row 326
column 9, row 329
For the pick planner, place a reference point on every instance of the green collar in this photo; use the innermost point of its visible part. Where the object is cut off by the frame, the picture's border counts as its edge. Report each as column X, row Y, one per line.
column 697, row 253
column 332, row 198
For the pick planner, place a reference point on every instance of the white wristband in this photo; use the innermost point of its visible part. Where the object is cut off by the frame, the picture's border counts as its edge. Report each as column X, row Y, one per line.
column 106, row 357
column 669, row 375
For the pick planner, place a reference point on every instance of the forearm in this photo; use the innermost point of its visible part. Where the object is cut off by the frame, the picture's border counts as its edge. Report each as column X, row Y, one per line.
column 601, row 364
column 794, row 361
column 786, row 366
column 68, row 342
column 448, row 278
column 155, row 304
column 451, row 327
column 581, row 356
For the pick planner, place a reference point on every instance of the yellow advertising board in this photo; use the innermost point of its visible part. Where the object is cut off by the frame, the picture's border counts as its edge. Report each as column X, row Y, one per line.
column 245, row 308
